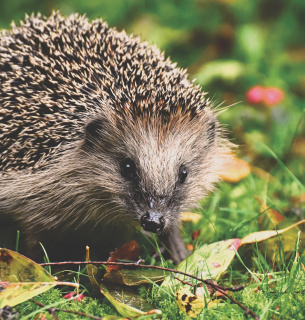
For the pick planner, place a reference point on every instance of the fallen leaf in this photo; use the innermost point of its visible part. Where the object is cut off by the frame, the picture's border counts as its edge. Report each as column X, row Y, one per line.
column 264, row 235
column 208, row 262
column 288, row 242
column 134, row 277
column 262, row 173
column 190, row 217
column 195, row 234
column 94, row 273
column 8, row 313
column 269, row 217
column 190, row 303
column 127, row 301
column 129, row 251
column 22, row 279
column 235, row 169
column 124, row 298
column 193, row 303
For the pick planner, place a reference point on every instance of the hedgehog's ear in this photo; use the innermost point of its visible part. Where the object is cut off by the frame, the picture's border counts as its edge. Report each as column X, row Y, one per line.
column 93, row 131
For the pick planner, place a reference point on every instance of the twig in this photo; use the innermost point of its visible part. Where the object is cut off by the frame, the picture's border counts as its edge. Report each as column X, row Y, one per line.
column 184, row 282
column 131, row 264
column 52, row 311
column 137, row 265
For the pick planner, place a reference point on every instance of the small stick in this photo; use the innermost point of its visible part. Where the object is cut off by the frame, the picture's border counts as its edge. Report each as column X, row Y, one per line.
column 131, row 264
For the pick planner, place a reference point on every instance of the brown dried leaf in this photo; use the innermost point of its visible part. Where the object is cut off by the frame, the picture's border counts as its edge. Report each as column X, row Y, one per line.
column 129, row 251
column 195, row 234
column 269, row 217
column 235, row 169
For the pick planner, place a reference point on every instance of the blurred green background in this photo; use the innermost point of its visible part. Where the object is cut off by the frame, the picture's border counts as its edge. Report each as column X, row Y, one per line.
column 229, row 46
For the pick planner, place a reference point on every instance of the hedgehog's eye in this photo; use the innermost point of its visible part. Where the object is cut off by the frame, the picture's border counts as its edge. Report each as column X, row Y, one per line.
column 128, row 169
column 182, row 174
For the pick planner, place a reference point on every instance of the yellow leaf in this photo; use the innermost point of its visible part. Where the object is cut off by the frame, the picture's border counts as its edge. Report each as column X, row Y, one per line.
column 22, row 279
column 190, row 217
column 235, row 169
column 193, row 304
column 264, row 235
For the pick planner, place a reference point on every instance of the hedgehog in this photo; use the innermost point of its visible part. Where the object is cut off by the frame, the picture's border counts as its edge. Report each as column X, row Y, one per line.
column 100, row 135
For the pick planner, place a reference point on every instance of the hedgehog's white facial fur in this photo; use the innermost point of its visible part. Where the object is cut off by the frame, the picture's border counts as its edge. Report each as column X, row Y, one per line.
column 142, row 172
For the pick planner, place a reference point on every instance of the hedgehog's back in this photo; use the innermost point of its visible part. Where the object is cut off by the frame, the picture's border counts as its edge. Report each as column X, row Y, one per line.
column 56, row 73
column 40, row 79
column 52, row 74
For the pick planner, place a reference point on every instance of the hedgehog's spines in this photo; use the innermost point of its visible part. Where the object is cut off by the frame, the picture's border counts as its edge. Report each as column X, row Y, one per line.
column 67, row 69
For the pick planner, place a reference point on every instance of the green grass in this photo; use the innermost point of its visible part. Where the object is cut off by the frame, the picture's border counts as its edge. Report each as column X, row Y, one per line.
column 53, row 298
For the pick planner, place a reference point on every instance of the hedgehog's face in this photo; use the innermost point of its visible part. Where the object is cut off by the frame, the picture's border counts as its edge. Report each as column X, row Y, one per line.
column 154, row 207
column 155, row 172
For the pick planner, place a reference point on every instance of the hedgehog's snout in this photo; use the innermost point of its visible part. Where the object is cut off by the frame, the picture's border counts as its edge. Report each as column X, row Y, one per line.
column 153, row 221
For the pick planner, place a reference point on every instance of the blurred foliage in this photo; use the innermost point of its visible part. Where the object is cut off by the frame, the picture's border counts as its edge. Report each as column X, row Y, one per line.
column 228, row 45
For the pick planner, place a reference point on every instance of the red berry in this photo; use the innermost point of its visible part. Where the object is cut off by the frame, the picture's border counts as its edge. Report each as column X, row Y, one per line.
column 256, row 94
column 273, row 96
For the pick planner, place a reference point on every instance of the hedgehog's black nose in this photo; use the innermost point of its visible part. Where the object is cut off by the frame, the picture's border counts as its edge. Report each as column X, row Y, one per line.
column 152, row 221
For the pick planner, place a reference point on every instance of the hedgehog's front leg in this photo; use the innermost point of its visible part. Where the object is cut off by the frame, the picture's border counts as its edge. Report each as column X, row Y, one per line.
column 176, row 245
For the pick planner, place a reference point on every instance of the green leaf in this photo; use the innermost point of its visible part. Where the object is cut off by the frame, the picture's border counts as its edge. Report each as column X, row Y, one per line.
column 134, row 277
column 208, row 262
column 124, row 298
column 22, row 279
column 127, row 301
